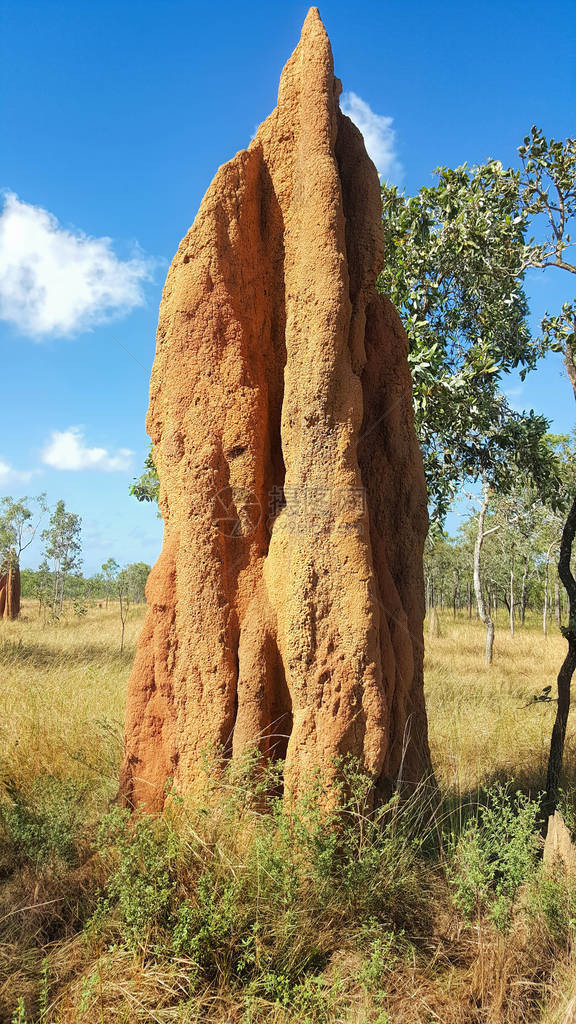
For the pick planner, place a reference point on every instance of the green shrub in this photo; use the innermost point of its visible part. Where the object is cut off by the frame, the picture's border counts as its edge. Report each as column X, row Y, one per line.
column 551, row 898
column 209, row 927
column 19, row 1016
column 495, row 854
column 140, row 886
column 43, row 823
column 254, row 890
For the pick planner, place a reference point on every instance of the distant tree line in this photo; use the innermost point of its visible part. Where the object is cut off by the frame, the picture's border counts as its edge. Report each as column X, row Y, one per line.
column 59, row 577
column 505, row 554
column 38, row 583
column 518, row 570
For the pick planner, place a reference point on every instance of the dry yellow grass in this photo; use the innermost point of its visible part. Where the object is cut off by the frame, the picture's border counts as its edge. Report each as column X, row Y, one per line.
column 63, row 691
column 480, row 727
column 62, row 694
column 61, row 714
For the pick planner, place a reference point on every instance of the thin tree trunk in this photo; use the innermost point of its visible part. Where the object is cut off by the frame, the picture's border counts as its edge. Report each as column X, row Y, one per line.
column 512, row 600
column 483, row 610
column 123, row 611
column 546, row 590
column 557, row 609
column 56, row 571
column 523, row 593
column 469, row 588
column 433, row 623
column 489, row 648
column 568, row 666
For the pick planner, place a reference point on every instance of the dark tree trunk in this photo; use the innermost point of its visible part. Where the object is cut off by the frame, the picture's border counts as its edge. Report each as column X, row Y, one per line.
column 511, row 605
column 568, row 666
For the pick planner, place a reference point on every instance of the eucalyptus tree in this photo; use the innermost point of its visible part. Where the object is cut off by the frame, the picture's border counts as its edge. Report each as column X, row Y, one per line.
column 547, row 189
column 41, row 585
column 136, row 577
column 109, row 570
column 482, row 532
column 62, row 550
column 502, row 541
column 123, row 591
column 19, row 522
column 453, row 267
column 526, row 514
column 20, row 519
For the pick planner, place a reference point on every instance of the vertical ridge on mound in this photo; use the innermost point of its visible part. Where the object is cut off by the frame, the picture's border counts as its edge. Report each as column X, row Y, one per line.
column 285, row 610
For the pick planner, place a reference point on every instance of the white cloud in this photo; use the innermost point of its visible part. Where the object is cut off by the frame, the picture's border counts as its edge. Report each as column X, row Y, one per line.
column 67, row 449
column 379, row 136
column 57, row 281
column 9, row 475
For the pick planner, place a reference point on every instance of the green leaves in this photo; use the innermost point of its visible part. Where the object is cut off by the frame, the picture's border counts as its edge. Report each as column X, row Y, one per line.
column 548, row 194
column 62, row 547
column 559, row 332
column 146, row 487
column 456, row 254
column 494, row 855
column 19, row 521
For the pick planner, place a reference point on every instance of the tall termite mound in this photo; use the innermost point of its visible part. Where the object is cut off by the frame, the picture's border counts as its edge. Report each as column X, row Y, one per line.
column 10, row 591
column 285, row 610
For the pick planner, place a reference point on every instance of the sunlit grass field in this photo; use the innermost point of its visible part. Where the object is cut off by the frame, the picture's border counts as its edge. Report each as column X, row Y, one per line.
column 414, row 960
column 63, row 693
column 480, row 725
column 64, row 683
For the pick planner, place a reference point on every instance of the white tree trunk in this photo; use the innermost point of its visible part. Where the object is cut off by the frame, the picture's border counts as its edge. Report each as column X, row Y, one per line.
column 483, row 610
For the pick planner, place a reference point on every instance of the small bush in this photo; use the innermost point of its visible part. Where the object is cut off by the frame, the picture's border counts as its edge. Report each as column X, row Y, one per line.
column 140, row 886
column 255, row 891
column 495, row 854
column 43, row 823
column 551, row 898
column 19, row 1016
column 211, row 928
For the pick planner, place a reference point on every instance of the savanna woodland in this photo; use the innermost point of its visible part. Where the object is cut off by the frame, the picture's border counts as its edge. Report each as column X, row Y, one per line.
column 440, row 901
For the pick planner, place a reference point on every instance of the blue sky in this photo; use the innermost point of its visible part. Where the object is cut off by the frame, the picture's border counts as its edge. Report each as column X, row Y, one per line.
column 115, row 117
